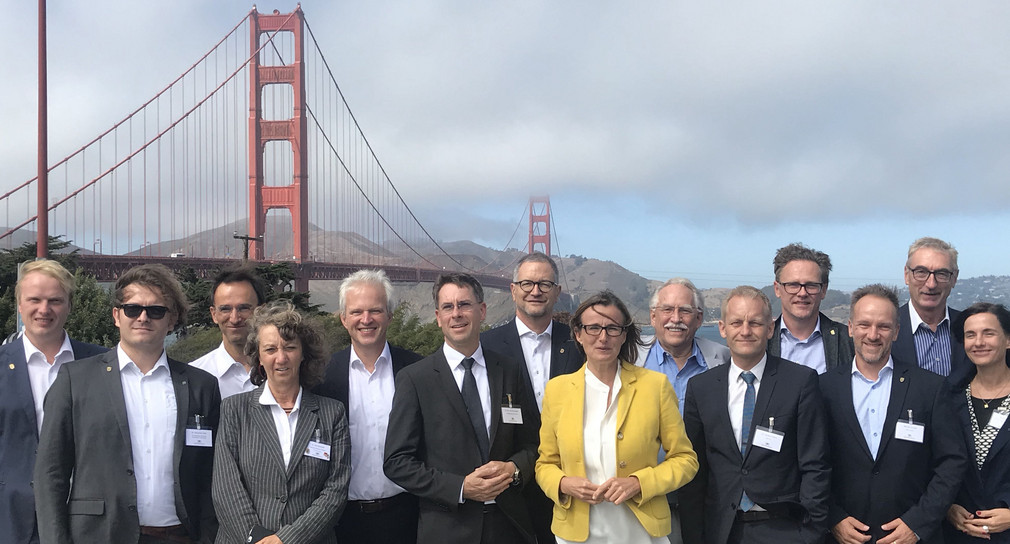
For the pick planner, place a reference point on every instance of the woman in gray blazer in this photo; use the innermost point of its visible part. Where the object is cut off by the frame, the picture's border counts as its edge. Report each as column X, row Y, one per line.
column 282, row 461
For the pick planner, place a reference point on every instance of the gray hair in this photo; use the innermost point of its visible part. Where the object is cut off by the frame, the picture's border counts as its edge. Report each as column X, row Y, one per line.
column 937, row 244
column 699, row 302
column 535, row 257
column 366, row 276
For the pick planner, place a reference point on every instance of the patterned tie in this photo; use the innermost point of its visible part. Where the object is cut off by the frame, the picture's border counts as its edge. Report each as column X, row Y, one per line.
column 748, row 416
column 471, row 398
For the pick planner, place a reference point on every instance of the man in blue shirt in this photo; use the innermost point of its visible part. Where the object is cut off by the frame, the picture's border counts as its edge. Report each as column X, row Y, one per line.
column 677, row 312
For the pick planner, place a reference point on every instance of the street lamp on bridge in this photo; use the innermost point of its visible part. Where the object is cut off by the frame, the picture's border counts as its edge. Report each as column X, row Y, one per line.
column 247, row 239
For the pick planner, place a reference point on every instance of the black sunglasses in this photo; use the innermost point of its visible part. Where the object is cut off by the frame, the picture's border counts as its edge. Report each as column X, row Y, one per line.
column 133, row 311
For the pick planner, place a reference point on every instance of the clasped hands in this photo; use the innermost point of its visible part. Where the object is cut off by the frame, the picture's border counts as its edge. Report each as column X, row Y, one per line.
column 981, row 523
column 615, row 490
column 488, row 480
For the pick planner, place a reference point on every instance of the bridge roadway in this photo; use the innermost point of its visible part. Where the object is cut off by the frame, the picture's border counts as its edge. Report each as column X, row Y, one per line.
column 110, row 267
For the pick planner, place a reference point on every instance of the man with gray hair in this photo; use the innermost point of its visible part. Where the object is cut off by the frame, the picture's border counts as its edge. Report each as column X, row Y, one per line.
column 924, row 335
column 802, row 334
column 362, row 377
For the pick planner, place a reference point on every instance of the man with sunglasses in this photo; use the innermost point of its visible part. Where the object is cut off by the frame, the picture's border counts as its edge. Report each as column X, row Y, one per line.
column 126, row 449
column 802, row 334
column 542, row 347
column 236, row 293
column 924, row 328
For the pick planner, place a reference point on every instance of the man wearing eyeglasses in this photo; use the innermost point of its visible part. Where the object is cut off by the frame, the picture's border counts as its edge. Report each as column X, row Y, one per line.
column 924, row 330
column 542, row 347
column 126, row 449
column 802, row 333
column 234, row 296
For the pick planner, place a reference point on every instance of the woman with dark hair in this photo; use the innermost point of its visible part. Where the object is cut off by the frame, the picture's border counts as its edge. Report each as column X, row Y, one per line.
column 600, row 467
column 282, row 458
column 982, row 508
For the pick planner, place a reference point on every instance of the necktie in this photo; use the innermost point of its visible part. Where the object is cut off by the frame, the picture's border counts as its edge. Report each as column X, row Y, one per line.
column 471, row 398
column 748, row 416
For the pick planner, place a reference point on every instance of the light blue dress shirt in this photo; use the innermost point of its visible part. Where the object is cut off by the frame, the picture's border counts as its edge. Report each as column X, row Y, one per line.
column 870, row 399
column 661, row 361
column 809, row 352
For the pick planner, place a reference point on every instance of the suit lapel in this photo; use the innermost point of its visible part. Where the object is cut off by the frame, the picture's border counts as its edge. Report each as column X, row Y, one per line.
column 775, row 343
column 180, row 384
column 263, row 420
column 904, row 347
column 899, row 388
column 495, row 382
column 629, row 386
column 110, row 380
column 16, row 365
column 829, row 339
column 721, row 401
column 343, row 367
column 851, row 420
column 765, row 393
column 445, row 381
column 559, row 337
column 308, row 422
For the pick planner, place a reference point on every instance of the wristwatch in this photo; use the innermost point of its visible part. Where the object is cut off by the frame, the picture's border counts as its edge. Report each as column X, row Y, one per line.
column 516, row 477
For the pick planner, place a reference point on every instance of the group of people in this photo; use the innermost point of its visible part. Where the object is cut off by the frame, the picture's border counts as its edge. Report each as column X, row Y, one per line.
column 799, row 429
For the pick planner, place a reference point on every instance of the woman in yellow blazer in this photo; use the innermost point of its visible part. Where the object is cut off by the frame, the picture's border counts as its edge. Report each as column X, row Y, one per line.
column 600, row 466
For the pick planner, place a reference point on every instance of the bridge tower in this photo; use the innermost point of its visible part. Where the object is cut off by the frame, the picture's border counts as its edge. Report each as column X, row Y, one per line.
column 294, row 197
column 540, row 224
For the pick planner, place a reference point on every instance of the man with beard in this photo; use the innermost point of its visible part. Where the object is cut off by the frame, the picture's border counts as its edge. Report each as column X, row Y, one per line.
column 896, row 454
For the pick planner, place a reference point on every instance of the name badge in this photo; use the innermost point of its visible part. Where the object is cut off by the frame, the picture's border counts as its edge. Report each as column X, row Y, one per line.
column 319, row 450
column 909, row 430
column 997, row 420
column 511, row 413
column 203, row 438
column 768, row 438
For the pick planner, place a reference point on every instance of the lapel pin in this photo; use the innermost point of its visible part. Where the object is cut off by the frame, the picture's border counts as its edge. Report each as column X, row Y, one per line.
column 832, row 332
column 108, row 369
column 901, row 379
column 562, row 351
column 12, row 366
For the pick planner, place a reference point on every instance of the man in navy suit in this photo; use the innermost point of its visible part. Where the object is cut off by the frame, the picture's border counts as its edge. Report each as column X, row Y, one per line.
column 897, row 454
column 543, row 349
column 362, row 377
column 757, row 425
column 28, row 366
column 924, row 337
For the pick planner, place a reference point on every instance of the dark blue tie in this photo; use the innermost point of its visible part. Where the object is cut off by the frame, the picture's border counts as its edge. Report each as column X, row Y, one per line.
column 748, row 417
column 471, row 398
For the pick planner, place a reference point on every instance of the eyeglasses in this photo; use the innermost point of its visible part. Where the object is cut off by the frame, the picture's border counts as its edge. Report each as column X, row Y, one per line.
column 793, row 287
column 527, row 285
column 921, row 273
column 667, row 311
column 242, row 309
column 463, row 306
column 595, row 330
column 133, row 311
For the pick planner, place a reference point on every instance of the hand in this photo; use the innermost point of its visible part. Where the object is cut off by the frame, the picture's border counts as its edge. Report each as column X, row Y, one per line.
column 850, row 531
column 957, row 516
column 580, row 488
column 900, row 533
column 486, row 482
column 618, row 490
column 272, row 539
column 996, row 520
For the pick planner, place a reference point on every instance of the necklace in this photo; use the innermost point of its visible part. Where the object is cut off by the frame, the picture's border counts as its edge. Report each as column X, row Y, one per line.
column 1001, row 394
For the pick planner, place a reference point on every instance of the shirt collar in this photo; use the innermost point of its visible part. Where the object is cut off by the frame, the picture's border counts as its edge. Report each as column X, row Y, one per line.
column 524, row 330
column 31, row 350
column 888, row 367
column 267, row 398
column 696, row 354
column 758, row 370
column 784, row 329
column 125, row 361
column 385, row 358
column 916, row 320
column 225, row 360
column 455, row 358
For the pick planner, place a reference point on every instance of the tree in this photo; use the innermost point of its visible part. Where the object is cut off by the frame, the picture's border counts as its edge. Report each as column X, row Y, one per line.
column 90, row 317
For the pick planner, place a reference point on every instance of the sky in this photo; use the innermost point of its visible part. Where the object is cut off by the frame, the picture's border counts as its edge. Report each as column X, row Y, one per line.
column 674, row 138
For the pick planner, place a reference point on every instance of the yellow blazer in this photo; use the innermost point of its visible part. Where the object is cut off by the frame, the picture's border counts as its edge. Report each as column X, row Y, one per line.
column 656, row 422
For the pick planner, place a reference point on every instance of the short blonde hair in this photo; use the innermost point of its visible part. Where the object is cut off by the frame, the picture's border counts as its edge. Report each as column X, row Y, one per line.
column 747, row 291
column 50, row 268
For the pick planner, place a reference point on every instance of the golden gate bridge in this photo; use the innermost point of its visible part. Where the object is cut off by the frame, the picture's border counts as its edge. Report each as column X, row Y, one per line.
column 251, row 152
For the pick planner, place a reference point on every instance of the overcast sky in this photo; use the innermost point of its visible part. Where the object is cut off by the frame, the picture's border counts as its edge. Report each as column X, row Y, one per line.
column 673, row 138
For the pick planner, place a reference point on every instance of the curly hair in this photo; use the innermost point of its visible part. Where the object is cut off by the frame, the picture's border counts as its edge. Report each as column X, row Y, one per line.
column 291, row 325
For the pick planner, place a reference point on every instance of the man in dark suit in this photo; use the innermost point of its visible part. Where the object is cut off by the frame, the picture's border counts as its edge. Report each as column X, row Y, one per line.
column 802, row 334
column 362, row 377
column 924, row 336
column 126, row 448
column 543, row 348
column 757, row 425
column 28, row 366
column 897, row 453
column 462, row 432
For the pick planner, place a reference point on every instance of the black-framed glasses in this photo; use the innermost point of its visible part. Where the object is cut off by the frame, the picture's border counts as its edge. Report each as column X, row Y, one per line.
column 921, row 273
column 793, row 287
column 527, row 285
column 133, row 311
column 595, row 330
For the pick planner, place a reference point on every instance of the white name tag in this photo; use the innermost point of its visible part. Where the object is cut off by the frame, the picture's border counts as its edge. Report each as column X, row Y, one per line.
column 511, row 415
column 318, row 450
column 203, row 438
column 912, row 432
column 768, row 439
column 997, row 420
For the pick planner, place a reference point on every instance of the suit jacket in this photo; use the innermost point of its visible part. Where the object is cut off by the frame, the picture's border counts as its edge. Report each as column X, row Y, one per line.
column 904, row 347
column 795, row 479
column 19, row 430
column 335, row 382
column 430, row 447
column 656, row 423
column 838, row 348
column 86, row 436
column 301, row 501
column 913, row 481
column 565, row 359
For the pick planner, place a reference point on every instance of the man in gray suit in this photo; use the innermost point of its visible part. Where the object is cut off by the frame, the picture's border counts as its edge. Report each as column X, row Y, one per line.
column 677, row 311
column 126, row 448
column 802, row 334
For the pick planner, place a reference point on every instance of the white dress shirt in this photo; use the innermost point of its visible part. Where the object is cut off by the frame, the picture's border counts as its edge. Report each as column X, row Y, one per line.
column 369, row 399
column 151, row 413
column 284, row 423
column 232, row 377
column 41, row 374
column 455, row 360
column 537, row 352
column 737, row 390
